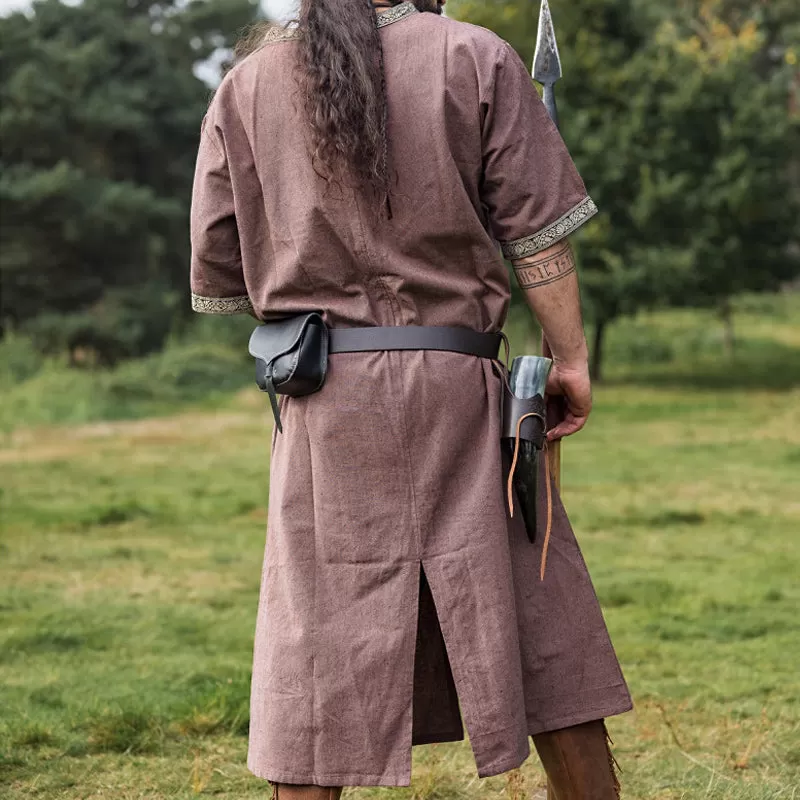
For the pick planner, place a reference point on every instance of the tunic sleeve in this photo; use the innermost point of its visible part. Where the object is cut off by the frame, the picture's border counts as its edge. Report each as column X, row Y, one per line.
column 217, row 278
column 531, row 188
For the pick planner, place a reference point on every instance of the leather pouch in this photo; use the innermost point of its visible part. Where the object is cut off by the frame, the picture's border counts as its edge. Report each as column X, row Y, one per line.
column 291, row 357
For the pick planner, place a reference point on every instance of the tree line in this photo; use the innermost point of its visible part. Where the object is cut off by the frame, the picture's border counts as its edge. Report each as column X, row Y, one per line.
column 100, row 111
column 682, row 117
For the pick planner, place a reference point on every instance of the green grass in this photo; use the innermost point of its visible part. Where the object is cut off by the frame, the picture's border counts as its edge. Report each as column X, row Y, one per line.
column 130, row 557
column 202, row 367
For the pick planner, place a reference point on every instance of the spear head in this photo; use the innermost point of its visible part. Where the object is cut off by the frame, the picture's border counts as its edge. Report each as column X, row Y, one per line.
column 546, row 61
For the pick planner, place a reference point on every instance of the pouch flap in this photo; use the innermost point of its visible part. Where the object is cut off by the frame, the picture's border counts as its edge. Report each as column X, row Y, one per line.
column 276, row 338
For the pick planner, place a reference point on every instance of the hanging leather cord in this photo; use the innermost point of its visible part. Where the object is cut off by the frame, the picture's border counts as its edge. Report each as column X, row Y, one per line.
column 549, row 528
column 510, row 488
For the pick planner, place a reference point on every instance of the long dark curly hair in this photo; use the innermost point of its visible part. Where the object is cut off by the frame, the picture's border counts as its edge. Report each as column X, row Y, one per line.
column 343, row 86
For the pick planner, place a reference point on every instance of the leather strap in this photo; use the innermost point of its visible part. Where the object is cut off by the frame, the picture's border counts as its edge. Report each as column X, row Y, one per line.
column 533, row 428
column 415, row 337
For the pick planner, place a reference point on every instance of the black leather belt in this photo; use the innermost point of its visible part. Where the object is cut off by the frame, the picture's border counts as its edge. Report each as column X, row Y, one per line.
column 292, row 353
column 415, row 337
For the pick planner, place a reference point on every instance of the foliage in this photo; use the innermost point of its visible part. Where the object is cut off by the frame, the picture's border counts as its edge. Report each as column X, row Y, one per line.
column 122, row 323
column 202, row 373
column 20, row 360
column 680, row 121
column 99, row 117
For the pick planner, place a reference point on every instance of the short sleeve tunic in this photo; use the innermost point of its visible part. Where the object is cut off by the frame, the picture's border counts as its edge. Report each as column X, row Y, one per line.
column 395, row 587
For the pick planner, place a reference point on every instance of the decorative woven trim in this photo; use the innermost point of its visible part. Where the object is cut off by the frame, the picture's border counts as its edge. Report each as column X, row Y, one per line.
column 279, row 33
column 222, row 305
column 555, row 232
column 391, row 15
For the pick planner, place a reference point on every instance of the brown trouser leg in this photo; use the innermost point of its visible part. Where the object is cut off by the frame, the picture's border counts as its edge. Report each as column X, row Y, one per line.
column 578, row 763
column 290, row 791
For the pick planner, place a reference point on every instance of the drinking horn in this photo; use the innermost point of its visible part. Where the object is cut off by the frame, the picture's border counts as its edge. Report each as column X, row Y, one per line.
column 524, row 429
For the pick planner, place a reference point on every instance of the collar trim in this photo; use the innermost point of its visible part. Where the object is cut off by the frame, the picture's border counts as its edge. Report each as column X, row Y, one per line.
column 385, row 17
column 390, row 15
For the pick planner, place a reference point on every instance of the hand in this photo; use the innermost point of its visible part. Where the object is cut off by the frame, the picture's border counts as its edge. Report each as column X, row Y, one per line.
column 573, row 382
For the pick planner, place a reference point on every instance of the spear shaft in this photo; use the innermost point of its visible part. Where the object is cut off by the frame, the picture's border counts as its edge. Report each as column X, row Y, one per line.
column 547, row 70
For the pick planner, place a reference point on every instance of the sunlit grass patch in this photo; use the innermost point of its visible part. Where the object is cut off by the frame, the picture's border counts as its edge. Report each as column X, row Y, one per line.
column 33, row 734
column 125, row 731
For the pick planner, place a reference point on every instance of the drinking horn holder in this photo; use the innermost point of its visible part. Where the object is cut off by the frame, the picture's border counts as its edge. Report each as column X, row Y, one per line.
column 524, row 429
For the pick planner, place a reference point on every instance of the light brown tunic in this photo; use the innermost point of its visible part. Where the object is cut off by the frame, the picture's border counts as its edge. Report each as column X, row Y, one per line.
column 395, row 466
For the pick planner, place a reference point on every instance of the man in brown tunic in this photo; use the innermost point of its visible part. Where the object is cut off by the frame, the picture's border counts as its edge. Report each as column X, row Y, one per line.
column 395, row 584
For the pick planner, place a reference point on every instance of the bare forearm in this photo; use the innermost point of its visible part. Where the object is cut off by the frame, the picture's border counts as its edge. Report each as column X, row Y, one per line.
column 550, row 283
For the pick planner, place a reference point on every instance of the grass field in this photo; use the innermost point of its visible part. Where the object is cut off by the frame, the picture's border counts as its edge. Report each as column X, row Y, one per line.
column 131, row 554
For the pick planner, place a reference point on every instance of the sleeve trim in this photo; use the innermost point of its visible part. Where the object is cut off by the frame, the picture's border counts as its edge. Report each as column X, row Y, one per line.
column 555, row 232
column 222, row 305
